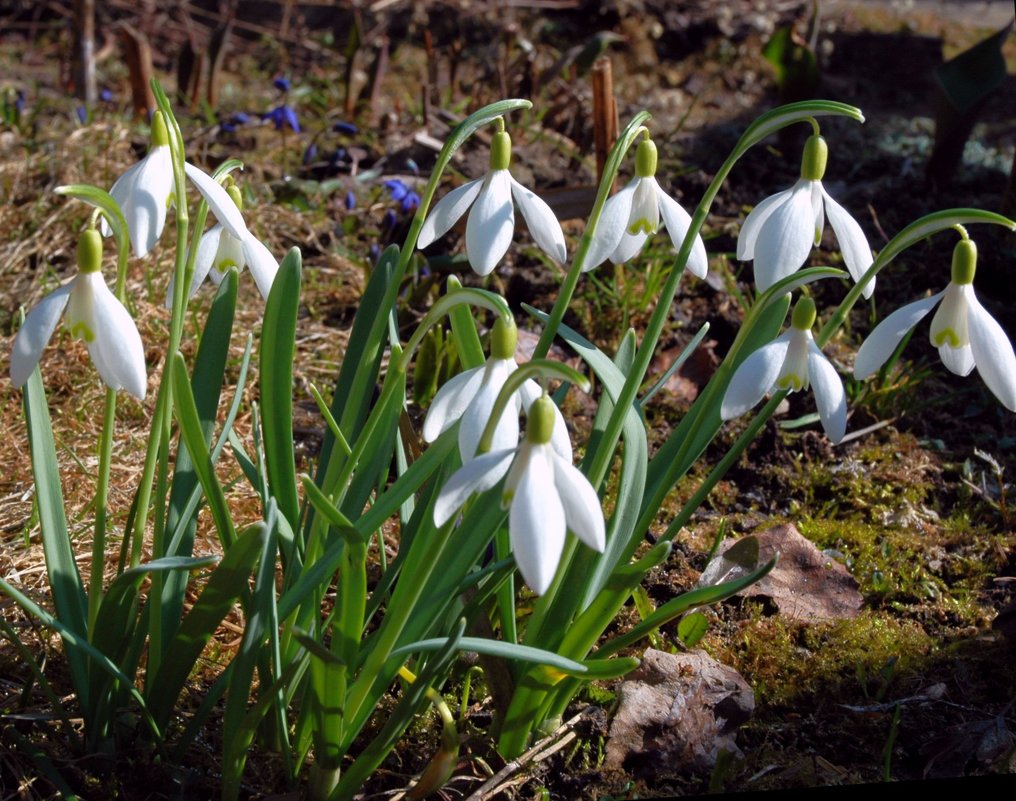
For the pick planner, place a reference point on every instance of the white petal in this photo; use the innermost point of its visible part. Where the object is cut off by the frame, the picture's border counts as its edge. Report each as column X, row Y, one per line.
column 219, row 201
column 993, row 353
column 33, row 336
column 116, row 348
column 543, row 225
column 786, row 239
column 610, row 227
column 881, row 342
column 476, row 475
column 450, row 402
column 677, row 221
column 144, row 193
column 207, row 248
column 491, row 223
column 829, row 395
column 853, row 243
column 755, row 377
column 582, row 509
column 758, row 216
column 536, row 522
column 628, row 247
column 447, row 211
column 957, row 360
column 261, row 263
column 477, row 413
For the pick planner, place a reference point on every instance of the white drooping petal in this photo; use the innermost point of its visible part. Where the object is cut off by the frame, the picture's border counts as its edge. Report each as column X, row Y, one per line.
column 959, row 361
column 476, row 475
column 447, row 211
column 993, row 353
column 543, row 225
column 491, row 223
column 786, row 238
column 881, row 342
column 143, row 194
column 261, row 263
column 582, row 511
column 755, row 377
column 677, row 222
column 208, row 247
column 629, row 246
column 560, row 441
column 644, row 216
column 610, row 228
column 477, row 413
column 219, row 201
column 536, row 522
column 116, row 348
column 830, row 398
column 36, row 332
column 120, row 191
column 754, row 222
column 853, row 243
column 450, row 402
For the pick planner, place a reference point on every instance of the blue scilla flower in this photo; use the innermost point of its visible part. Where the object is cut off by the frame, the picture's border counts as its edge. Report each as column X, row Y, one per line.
column 398, row 189
column 82, row 113
column 106, row 96
column 346, row 128
column 310, row 154
column 410, row 201
column 282, row 84
column 350, row 200
column 282, row 116
column 389, row 221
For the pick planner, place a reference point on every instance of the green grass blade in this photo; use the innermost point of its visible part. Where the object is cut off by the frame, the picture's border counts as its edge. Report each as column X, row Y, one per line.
column 278, row 344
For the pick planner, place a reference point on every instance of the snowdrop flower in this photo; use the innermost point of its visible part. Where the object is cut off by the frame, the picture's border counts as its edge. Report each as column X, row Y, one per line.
column 145, row 191
column 492, row 216
column 633, row 214
column 964, row 333
column 780, row 231
column 469, row 398
column 792, row 361
column 92, row 313
column 220, row 249
column 544, row 493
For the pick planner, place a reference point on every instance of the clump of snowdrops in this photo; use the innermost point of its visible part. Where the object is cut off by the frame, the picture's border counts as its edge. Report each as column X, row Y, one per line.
column 493, row 518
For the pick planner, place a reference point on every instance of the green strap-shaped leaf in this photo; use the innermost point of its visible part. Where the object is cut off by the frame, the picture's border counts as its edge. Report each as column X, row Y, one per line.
column 505, row 650
column 278, row 344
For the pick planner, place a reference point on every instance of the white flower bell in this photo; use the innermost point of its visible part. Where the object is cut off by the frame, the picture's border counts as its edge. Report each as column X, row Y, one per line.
column 964, row 333
column 634, row 213
column 544, row 493
column 780, row 231
column 219, row 249
column 491, row 221
column 792, row 362
column 92, row 313
column 468, row 398
column 145, row 191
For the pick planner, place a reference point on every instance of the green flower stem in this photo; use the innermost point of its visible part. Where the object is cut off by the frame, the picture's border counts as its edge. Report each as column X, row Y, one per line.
column 571, row 279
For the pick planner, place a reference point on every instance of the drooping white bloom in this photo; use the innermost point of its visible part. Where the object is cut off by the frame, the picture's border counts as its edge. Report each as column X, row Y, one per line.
column 92, row 313
column 219, row 250
column 544, row 493
column 491, row 221
column 145, row 191
column 468, row 398
column 792, row 361
column 634, row 213
column 964, row 333
column 780, row 231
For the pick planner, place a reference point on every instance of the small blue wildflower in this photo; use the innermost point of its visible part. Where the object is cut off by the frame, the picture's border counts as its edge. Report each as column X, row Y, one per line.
column 398, row 189
column 240, row 118
column 346, row 128
column 19, row 101
column 82, row 113
column 310, row 154
column 375, row 252
column 282, row 116
column 227, row 127
column 282, row 84
column 410, row 201
column 388, row 221
column 106, row 96
column 350, row 200
column 338, row 157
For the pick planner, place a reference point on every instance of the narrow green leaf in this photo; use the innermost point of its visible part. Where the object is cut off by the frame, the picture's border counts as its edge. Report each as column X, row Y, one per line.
column 692, row 628
column 505, row 650
column 278, row 344
column 467, row 341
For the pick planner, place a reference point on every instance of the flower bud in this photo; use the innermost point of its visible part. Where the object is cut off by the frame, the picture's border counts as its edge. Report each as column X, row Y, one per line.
column 645, row 159
column 90, row 251
column 804, row 314
column 540, row 421
column 816, row 155
column 503, row 339
column 234, row 193
column 964, row 262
